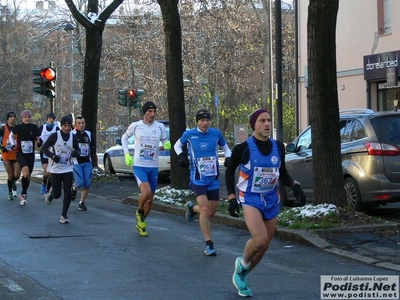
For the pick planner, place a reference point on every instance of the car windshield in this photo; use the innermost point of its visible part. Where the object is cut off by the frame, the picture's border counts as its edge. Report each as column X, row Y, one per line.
column 387, row 128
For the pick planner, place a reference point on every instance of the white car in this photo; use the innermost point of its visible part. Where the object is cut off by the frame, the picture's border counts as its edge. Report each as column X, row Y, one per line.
column 114, row 158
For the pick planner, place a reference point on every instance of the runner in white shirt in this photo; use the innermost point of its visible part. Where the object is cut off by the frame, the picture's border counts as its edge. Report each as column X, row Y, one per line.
column 148, row 133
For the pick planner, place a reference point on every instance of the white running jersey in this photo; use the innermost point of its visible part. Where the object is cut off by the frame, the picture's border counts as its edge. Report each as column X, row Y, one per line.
column 147, row 142
column 64, row 150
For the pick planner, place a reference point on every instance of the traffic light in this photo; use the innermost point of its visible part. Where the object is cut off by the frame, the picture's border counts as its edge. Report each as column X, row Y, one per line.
column 39, row 81
column 131, row 95
column 135, row 98
column 123, row 97
column 46, row 81
column 49, row 79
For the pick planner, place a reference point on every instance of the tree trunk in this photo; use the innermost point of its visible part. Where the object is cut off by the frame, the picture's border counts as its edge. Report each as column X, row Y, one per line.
column 175, row 92
column 323, row 102
column 91, row 68
column 90, row 97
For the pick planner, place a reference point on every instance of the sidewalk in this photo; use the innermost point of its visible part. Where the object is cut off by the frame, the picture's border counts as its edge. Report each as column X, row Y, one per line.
column 376, row 245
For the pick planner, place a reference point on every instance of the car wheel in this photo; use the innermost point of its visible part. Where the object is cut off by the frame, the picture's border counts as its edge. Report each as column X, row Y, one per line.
column 108, row 168
column 352, row 194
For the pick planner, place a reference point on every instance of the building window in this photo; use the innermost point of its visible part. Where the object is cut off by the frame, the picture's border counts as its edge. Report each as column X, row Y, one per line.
column 384, row 17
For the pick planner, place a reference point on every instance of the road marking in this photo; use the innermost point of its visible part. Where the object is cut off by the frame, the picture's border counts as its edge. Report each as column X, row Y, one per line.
column 158, row 228
column 11, row 285
column 189, row 238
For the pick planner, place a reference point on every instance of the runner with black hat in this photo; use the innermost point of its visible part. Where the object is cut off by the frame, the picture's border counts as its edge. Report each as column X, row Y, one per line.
column 148, row 134
column 61, row 147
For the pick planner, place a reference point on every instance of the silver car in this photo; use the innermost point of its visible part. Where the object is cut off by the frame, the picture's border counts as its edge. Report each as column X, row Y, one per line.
column 370, row 148
column 114, row 158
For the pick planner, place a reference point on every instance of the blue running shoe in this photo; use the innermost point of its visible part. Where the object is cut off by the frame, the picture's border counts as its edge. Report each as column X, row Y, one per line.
column 43, row 189
column 190, row 213
column 239, row 277
column 209, row 250
column 245, row 293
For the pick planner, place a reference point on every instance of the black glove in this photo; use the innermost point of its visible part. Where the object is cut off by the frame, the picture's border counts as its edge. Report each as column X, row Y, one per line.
column 4, row 149
column 234, row 208
column 226, row 162
column 40, row 143
column 299, row 194
column 183, row 160
column 75, row 153
column 56, row 159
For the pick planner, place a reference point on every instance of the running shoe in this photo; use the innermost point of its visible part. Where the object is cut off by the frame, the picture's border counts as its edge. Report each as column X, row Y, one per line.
column 141, row 224
column 142, row 231
column 190, row 212
column 14, row 193
column 239, row 277
column 73, row 194
column 22, row 199
column 82, row 206
column 48, row 198
column 64, row 219
column 245, row 293
column 43, row 189
column 10, row 196
column 209, row 250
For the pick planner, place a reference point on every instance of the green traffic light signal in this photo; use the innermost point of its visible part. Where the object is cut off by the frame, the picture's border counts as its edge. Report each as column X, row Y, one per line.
column 38, row 80
column 123, row 98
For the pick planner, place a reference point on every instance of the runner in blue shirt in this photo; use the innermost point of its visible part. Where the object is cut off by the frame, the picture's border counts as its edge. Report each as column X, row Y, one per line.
column 203, row 143
column 261, row 162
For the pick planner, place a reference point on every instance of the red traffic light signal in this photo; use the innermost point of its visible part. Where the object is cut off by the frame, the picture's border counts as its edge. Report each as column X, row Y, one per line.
column 48, row 73
column 131, row 94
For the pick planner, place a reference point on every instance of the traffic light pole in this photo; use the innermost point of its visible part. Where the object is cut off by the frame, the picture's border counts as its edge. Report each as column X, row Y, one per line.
column 51, row 99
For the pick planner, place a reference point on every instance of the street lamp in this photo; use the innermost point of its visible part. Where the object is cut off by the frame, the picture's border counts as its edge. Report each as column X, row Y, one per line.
column 70, row 29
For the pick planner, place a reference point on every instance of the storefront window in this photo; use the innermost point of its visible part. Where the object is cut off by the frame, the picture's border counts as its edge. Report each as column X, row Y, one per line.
column 386, row 98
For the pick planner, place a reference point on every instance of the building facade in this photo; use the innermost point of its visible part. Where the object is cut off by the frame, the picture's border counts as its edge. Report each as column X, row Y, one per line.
column 367, row 53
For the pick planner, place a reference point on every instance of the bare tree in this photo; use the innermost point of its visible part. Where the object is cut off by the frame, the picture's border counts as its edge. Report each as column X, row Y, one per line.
column 175, row 93
column 323, row 102
column 94, row 24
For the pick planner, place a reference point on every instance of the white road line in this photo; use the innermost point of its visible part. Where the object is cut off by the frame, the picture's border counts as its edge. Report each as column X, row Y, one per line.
column 11, row 285
column 188, row 238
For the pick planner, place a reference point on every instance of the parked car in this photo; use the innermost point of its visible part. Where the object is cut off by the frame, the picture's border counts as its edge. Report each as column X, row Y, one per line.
column 114, row 158
column 370, row 149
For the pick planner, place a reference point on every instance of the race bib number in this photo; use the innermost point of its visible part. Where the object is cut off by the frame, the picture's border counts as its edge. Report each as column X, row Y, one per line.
column 85, row 150
column 264, row 179
column 207, row 166
column 64, row 157
column 147, row 152
column 27, row 147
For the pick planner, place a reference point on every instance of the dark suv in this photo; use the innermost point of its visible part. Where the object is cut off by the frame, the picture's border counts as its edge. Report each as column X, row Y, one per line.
column 370, row 148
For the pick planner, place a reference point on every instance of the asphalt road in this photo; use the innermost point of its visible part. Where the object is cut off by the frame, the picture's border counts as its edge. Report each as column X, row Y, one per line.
column 99, row 255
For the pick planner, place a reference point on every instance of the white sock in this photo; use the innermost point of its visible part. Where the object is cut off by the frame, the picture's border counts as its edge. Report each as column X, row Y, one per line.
column 244, row 264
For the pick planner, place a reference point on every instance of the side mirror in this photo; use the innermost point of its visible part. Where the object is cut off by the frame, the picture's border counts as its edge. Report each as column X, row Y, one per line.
column 118, row 142
column 290, row 147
